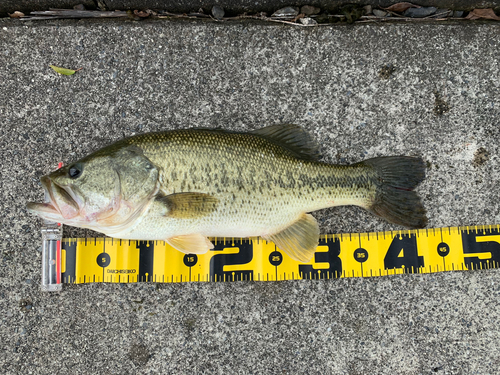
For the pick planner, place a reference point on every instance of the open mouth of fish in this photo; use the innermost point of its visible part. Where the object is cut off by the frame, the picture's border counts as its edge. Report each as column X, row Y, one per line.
column 59, row 203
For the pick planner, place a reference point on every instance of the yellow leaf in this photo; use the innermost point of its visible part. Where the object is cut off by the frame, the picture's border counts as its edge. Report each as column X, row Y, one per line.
column 64, row 71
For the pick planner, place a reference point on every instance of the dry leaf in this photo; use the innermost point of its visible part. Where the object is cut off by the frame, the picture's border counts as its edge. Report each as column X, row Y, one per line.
column 64, row 71
column 401, row 7
column 488, row 14
column 16, row 14
column 141, row 13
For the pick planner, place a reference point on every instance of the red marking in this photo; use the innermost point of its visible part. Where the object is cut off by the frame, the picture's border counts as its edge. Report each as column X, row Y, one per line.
column 58, row 262
column 59, row 166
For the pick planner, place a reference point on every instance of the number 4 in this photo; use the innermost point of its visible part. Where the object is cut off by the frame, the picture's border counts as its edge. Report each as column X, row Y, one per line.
column 403, row 254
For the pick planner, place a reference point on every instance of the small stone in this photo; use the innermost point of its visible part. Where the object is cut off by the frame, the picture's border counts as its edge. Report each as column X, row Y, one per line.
column 419, row 12
column 218, row 12
column 79, row 7
column 458, row 14
column 308, row 21
column 367, row 9
column 379, row 13
column 309, row 10
column 288, row 12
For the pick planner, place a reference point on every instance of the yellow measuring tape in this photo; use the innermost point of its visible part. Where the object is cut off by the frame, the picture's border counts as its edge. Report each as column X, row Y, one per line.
column 88, row 260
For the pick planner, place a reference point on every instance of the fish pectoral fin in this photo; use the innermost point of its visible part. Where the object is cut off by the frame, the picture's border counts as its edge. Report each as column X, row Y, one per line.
column 188, row 205
column 299, row 240
column 191, row 243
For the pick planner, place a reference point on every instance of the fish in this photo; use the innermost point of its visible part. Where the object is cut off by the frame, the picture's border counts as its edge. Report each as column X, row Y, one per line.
column 184, row 186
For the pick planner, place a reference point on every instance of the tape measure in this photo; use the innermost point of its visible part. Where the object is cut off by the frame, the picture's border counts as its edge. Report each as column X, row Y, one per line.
column 89, row 260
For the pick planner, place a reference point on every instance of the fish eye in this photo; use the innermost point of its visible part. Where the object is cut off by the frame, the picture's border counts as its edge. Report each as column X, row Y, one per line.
column 75, row 170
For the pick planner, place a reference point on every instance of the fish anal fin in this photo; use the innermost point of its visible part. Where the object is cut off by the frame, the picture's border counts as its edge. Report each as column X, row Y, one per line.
column 299, row 240
column 191, row 243
column 188, row 205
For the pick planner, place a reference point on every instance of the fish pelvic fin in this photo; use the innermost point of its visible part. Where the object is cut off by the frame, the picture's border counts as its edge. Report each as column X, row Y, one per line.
column 191, row 243
column 395, row 200
column 299, row 240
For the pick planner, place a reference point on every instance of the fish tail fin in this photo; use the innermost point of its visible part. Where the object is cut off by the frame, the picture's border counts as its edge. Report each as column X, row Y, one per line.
column 395, row 200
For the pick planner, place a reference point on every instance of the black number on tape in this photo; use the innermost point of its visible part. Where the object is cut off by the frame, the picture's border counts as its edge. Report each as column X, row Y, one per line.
column 331, row 256
column 217, row 263
column 146, row 258
column 403, row 254
column 488, row 244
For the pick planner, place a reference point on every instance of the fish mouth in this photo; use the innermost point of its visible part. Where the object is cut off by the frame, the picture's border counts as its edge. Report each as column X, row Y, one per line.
column 60, row 204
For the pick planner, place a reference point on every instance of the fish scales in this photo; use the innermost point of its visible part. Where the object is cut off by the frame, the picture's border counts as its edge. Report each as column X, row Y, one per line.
column 183, row 186
column 261, row 186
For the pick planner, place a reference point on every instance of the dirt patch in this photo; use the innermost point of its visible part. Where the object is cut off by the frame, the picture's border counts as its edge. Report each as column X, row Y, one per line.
column 440, row 105
column 386, row 71
column 139, row 354
column 481, row 156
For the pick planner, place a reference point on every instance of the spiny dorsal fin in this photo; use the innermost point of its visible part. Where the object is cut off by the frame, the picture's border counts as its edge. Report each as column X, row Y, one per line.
column 299, row 240
column 293, row 137
column 191, row 243
column 188, row 205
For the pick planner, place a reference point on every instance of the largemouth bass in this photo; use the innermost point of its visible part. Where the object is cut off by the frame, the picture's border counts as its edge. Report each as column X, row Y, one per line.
column 183, row 186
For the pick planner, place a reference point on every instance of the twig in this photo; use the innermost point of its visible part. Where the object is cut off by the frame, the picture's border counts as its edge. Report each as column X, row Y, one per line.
column 73, row 13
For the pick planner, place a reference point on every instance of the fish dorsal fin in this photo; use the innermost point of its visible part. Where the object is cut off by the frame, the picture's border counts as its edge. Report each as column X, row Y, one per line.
column 191, row 243
column 293, row 137
column 188, row 205
column 299, row 240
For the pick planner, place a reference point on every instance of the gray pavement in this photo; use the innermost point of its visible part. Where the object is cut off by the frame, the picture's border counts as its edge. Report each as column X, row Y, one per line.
column 441, row 101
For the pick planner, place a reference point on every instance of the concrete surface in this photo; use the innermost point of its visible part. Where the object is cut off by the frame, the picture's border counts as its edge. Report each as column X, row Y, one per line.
column 441, row 100
column 231, row 6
